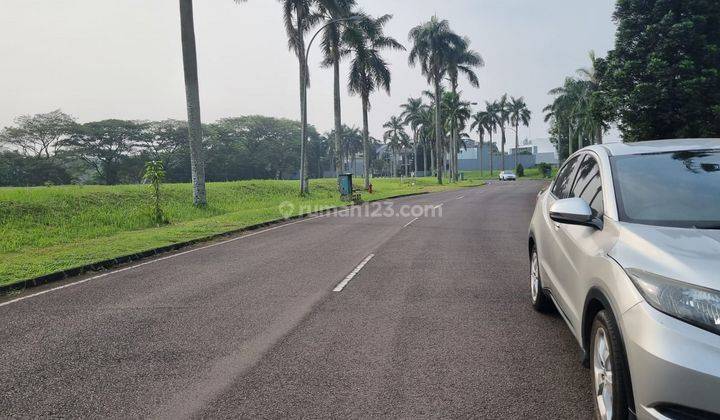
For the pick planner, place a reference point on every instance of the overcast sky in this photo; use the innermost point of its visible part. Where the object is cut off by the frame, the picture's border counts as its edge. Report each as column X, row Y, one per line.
column 98, row 59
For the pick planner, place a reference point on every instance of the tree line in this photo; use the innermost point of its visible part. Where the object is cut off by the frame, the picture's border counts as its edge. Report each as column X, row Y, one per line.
column 53, row 148
column 458, row 120
column 661, row 80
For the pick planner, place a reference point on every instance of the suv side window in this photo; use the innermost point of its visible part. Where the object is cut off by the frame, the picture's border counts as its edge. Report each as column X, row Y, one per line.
column 565, row 178
column 588, row 185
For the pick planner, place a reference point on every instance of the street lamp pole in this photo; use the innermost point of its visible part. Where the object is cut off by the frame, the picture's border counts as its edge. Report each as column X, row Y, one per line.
column 333, row 21
column 304, row 97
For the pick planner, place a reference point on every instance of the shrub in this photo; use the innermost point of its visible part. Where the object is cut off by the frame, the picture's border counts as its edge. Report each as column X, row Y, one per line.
column 520, row 170
column 544, row 169
column 154, row 175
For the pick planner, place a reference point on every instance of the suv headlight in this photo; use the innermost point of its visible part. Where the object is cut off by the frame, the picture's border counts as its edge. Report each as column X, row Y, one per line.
column 693, row 304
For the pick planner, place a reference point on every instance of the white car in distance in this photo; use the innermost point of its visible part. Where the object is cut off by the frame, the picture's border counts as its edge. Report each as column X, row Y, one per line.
column 507, row 176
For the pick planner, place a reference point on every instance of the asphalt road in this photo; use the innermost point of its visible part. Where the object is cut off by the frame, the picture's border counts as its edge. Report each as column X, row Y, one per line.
column 437, row 323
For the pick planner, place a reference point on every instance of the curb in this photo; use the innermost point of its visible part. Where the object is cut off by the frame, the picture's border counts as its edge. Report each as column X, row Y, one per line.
column 124, row 259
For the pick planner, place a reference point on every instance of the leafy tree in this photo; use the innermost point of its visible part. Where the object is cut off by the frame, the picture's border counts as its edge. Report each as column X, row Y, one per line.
column 519, row 114
column 254, row 147
column 433, row 43
column 167, row 141
column 368, row 70
column 104, row 145
column 17, row 169
column 664, row 74
column 39, row 135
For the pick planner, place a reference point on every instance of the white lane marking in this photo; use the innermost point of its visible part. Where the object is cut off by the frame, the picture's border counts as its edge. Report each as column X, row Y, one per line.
column 460, row 198
column 438, row 206
column 79, row 282
column 350, row 276
column 410, row 222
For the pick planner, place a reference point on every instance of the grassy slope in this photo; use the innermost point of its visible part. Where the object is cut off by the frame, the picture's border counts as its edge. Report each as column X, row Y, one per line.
column 46, row 229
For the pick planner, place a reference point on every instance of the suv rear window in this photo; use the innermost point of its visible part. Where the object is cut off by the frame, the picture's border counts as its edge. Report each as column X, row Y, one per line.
column 565, row 178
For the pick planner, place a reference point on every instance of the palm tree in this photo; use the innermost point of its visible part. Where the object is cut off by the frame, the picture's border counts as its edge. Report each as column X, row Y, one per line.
column 192, row 95
column 368, row 70
column 594, row 112
column 519, row 114
column 396, row 137
column 299, row 18
column 331, row 45
column 433, row 43
column 462, row 60
column 502, row 117
column 457, row 113
column 426, row 130
column 566, row 112
column 353, row 144
column 412, row 116
column 492, row 125
column 481, row 120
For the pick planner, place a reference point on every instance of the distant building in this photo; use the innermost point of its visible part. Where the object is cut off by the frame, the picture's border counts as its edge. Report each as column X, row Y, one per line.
column 542, row 148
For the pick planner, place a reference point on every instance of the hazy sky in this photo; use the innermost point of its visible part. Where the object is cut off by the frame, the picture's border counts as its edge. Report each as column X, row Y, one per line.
column 99, row 59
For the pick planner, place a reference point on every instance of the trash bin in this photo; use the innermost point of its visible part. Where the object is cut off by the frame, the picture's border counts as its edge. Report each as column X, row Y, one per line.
column 345, row 181
column 462, row 176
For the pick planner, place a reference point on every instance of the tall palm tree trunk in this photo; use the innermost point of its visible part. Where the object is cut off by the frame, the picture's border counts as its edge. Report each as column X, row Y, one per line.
column 453, row 154
column 415, row 153
column 515, row 152
column 438, row 132
column 433, row 161
column 396, row 162
column 303, row 110
column 491, row 154
column 366, row 142
column 502, row 147
column 425, row 161
column 480, row 150
column 338, row 113
column 192, row 95
column 599, row 135
column 406, row 163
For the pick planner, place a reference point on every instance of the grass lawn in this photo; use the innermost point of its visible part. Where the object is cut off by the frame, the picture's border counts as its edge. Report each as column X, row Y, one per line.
column 47, row 229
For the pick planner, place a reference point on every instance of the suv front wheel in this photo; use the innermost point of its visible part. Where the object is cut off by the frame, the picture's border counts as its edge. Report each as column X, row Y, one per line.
column 540, row 301
column 609, row 370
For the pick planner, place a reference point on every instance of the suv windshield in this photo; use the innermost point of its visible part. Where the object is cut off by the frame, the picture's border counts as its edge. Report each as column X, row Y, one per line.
column 680, row 189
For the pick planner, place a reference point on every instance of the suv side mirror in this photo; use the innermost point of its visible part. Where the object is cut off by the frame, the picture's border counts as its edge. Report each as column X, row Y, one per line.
column 574, row 211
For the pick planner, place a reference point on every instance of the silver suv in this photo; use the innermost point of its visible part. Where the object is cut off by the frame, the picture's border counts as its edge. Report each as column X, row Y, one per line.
column 625, row 243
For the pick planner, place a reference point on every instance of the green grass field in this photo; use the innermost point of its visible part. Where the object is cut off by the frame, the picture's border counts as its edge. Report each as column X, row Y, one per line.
column 47, row 229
